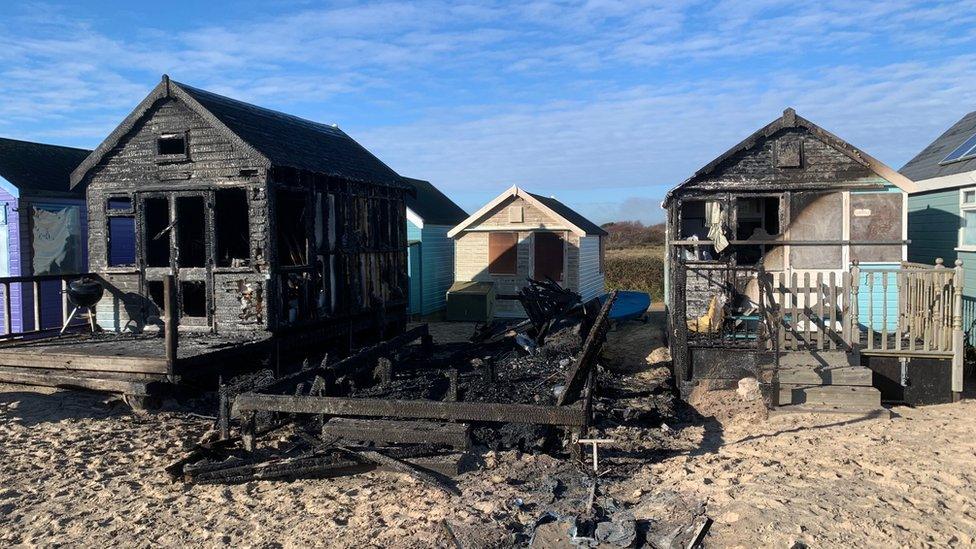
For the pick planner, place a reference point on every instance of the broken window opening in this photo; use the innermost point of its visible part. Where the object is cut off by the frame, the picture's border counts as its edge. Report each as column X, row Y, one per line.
column 701, row 220
column 191, row 231
column 171, row 144
column 290, row 215
column 193, row 298
column 121, row 241
column 232, row 224
column 156, row 233
column 756, row 218
column 503, row 253
column 155, row 290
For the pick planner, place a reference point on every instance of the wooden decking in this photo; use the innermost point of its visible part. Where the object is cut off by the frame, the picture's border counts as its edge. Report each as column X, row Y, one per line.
column 126, row 363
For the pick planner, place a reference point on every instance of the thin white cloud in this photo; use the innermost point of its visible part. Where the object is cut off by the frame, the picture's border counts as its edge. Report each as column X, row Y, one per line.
column 574, row 96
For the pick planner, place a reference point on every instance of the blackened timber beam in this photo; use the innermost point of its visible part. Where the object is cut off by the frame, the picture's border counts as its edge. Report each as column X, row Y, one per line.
column 580, row 370
column 490, row 412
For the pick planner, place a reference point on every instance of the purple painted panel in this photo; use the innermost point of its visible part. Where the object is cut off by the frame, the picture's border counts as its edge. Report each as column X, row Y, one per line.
column 21, row 262
column 9, row 202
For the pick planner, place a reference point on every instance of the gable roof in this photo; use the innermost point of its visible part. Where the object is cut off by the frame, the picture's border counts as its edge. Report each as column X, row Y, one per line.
column 431, row 205
column 926, row 164
column 792, row 120
column 579, row 224
column 37, row 168
column 273, row 138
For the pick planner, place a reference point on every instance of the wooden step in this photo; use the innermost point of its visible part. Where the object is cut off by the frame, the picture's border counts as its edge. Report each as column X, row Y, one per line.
column 830, row 396
column 826, row 359
column 845, row 375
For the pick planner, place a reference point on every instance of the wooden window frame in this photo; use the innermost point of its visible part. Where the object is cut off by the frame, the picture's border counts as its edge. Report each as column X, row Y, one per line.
column 961, row 246
column 181, row 157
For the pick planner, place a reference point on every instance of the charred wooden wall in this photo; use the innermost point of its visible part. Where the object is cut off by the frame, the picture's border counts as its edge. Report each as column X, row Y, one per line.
column 351, row 277
column 134, row 166
column 792, row 161
column 356, row 253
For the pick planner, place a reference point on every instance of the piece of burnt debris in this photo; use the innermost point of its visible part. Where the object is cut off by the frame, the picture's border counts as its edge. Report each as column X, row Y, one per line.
column 413, row 406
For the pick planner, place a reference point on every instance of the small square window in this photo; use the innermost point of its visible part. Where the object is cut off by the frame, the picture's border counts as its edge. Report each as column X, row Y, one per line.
column 969, row 197
column 169, row 145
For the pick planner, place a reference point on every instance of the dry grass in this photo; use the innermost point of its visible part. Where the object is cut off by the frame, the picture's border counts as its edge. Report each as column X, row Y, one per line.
column 640, row 269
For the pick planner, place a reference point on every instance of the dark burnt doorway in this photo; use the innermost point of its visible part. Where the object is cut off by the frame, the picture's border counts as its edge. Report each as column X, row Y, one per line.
column 175, row 240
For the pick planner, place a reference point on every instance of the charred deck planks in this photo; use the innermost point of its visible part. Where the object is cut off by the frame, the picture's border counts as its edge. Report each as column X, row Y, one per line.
column 455, row 435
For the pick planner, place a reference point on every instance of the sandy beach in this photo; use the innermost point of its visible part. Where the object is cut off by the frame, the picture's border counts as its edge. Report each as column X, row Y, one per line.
column 82, row 470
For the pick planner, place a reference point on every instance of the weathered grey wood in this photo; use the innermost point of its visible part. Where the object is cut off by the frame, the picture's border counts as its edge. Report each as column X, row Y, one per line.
column 832, row 309
column 821, row 325
column 65, row 361
column 781, row 309
column 105, row 381
column 794, row 315
column 808, row 310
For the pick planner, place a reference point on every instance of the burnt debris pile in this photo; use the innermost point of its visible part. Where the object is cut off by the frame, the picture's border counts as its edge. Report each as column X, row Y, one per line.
column 411, row 405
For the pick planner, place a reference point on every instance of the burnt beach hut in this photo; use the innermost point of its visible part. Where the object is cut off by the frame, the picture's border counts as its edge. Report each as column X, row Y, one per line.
column 786, row 262
column 252, row 228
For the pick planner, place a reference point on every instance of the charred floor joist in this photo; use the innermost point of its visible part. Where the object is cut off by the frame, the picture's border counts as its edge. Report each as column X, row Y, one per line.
column 434, row 399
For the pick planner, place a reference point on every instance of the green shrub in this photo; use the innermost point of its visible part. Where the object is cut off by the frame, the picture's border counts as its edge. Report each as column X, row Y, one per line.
column 636, row 269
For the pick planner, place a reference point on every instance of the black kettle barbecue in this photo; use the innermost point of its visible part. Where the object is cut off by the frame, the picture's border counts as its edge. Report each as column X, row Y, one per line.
column 83, row 293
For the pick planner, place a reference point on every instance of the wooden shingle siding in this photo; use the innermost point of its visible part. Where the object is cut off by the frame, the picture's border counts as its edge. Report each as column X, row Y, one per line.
column 591, row 280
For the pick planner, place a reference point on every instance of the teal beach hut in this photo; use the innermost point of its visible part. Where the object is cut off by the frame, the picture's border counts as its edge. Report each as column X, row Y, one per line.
column 430, row 253
column 942, row 212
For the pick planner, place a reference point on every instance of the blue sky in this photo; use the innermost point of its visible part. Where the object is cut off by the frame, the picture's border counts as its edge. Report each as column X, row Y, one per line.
column 603, row 104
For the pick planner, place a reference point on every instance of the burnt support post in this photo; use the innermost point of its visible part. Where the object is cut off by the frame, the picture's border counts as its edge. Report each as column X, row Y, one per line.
column 248, row 428
column 223, row 416
column 384, row 370
column 171, row 322
column 452, row 385
column 427, row 343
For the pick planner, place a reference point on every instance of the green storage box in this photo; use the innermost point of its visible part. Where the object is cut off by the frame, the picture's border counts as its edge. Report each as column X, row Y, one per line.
column 471, row 302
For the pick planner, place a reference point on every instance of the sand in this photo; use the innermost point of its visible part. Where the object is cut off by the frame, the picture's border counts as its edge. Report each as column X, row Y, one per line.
column 79, row 469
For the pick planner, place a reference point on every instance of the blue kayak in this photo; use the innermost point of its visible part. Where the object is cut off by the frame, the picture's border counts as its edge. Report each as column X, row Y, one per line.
column 629, row 305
